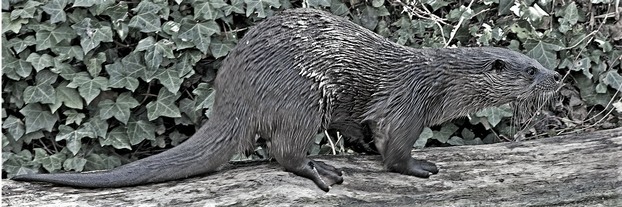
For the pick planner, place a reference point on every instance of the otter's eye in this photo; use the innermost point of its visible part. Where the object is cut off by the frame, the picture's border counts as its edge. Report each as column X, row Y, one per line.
column 531, row 71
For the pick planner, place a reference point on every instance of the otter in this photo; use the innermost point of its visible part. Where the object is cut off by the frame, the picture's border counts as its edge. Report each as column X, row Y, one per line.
column 303, row 71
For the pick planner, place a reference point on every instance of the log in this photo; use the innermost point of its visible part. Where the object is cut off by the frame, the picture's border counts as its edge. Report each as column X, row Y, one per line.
column 573, row 170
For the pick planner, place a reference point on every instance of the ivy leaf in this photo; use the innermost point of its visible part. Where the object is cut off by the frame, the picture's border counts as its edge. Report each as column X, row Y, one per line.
column 134, row 63
column 68, row 52
column 48, row 39
column 19, row 44
column 65, row 70
column 56, row 10
column 14, row 126
column 94, row 65
column 570, row 18
column 21, row 67
column 218, row 3
column 171, row 27
column 89, row 88
column 165, row 47
column 475, row 141
column 614, row 80
column 236, row 6
column 186, row 106
column 97, row 125
column 19, row 163
column 92, row 34
column 117, row 138
column 544, row 55
column 258, row 6
column 27, row 10
column 455, row 141
column 177, row 138
column 101, row 162
column 198, row 33
column 121, row 76
column 73, row 116
column 153, row 59
column 67, row 96
column 495, row 114
column 206, row 10
column 210, row 102
column 101, row 6
column 16, row 90
column 145, row 44
column 163, row 106
column 326, row 3
column 46, row 77
column 203, row 93
column 51, row 163
column 338, row 8
column 369, row 18
column 39, row 62
column 584, row 65
column 38, row 118
column 120, row 109
column 74, row 163
column 43, row 93
column 147, row 7
column 445, row 133
column 140, row 130
column 467, row 134
column 117, row 12
column 618, row 106
column 73, row 137
column 159, row 142
column 6, row 141
column 146, row 22
column 220, row 48
column 185, row 65
column 13, row 25
column 155, row 55
column 426, row 134
column 169, row 78
column 588, row 93
column 84, row 3
column 63, row 32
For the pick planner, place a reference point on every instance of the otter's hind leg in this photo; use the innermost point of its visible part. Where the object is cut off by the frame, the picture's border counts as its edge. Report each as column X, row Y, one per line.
column 290, row 150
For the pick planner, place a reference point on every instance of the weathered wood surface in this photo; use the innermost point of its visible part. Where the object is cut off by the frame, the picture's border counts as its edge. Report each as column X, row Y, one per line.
column 576, row 170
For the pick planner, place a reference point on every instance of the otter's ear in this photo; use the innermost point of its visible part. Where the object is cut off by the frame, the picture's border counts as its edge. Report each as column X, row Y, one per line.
column 497, row 65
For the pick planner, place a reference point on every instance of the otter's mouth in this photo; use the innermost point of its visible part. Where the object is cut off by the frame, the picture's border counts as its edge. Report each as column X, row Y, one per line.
column 534, row 100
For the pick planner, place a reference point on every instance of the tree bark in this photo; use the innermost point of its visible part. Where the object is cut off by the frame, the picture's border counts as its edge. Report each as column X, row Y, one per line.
column 573, row 170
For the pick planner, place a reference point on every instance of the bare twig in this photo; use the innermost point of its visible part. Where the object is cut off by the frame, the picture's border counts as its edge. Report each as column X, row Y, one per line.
column 332, row 145
column 413, row 10
column 457, row 26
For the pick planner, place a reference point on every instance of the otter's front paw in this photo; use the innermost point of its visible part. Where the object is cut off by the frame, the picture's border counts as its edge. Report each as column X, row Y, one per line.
column 414, row 167
column 322, row 174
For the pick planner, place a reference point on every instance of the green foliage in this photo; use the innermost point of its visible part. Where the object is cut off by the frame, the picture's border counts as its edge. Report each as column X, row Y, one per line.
column 87, row 81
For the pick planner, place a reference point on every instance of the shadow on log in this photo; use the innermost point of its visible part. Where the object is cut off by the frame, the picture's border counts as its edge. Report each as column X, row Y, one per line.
column 574, row 170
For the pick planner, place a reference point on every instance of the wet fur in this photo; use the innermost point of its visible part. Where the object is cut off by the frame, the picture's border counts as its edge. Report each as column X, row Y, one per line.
column 304, row 71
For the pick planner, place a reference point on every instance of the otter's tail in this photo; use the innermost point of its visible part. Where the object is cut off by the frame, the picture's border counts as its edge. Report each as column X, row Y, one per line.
column 205, row 151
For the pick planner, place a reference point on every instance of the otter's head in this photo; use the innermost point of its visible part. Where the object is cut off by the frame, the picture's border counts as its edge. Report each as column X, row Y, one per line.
column 512, row 77
column 461, row 81
column 515, row 77
column 482, row 77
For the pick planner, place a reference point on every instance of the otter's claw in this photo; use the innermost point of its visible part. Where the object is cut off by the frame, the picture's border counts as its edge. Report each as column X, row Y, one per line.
column 414, row 167
column 322, row 174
